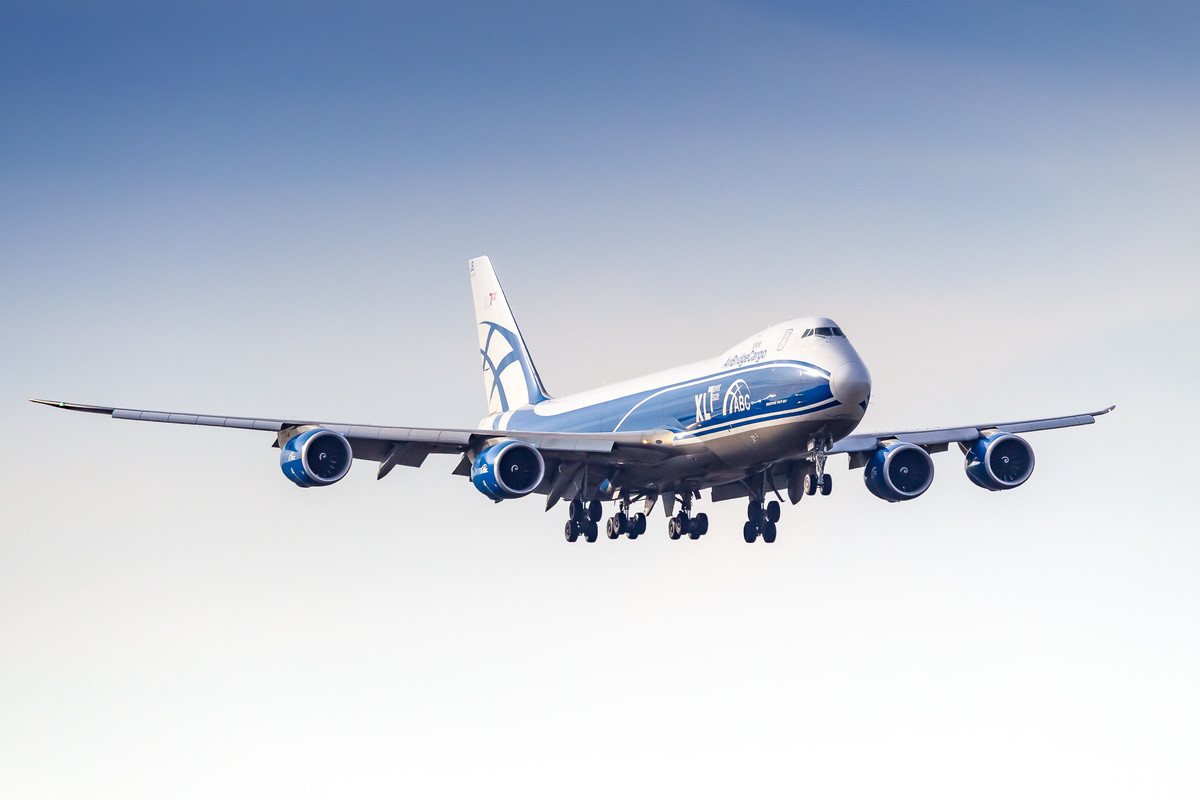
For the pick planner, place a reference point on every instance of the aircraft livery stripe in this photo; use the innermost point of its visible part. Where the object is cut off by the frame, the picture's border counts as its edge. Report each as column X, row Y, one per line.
column 711, row 377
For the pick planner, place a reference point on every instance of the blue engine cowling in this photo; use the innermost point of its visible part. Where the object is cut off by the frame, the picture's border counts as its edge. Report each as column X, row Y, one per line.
column 316, row 457
column 507, row 470
column 899, row 472
column 999, row 462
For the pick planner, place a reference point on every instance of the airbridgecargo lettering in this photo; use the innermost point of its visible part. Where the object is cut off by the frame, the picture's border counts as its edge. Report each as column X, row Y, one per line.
column 741, row 359
column 753, row 356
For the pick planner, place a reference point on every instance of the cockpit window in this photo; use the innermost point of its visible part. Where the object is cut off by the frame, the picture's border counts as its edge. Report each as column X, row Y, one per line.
column 824, row 331
column 808, row 332
column 838, row 332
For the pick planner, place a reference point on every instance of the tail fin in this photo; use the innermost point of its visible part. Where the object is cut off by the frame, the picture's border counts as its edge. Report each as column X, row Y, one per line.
column 509, row 377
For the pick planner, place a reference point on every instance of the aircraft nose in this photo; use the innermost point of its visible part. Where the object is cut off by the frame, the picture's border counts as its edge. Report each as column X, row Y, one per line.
column 851, row 383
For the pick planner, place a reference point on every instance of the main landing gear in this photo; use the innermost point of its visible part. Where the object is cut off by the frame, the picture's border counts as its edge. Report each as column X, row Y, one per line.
column 693, row 527
column 761, row 521
column 583, row 519
column 622, row 522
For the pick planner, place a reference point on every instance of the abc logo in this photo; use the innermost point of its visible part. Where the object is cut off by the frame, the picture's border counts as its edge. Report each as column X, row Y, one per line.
column 737, row 399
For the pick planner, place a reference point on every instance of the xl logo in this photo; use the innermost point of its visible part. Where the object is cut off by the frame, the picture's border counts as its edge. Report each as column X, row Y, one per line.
column 737, row 399
column 706, row 402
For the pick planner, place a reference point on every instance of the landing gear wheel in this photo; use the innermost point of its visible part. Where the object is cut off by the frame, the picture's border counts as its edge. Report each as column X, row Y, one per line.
column 620, row 522
column 749, row 532
column 754, row 511
column 699, row 526
column 590, row 530
column 570, row 531
column 595, row 511
column 810, row 484
column 611, row 530
column 769, row 532
column 673, row 528
column 575, row 512
column 637, row 526
column 826, row 484
column 773, row 511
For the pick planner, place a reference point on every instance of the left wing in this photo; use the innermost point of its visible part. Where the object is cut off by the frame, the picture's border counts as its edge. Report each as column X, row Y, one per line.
column 409, row 446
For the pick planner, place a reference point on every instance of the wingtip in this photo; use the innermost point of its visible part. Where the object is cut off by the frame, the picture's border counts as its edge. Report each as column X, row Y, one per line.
column 72, row 406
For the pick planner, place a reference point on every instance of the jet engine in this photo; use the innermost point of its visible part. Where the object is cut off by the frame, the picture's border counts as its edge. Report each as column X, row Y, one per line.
column 315, row 457
column 998, row 462
column 899, row 471
column 507, row 470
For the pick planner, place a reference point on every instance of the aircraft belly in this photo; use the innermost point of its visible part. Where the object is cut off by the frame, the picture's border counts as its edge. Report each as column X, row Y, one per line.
column 781, row 440
column 750, row 448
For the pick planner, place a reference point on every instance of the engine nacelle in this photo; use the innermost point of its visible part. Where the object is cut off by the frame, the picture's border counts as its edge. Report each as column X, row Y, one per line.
column 899, row 471
column 999, row 462
column 316, row 457
column 507, row 470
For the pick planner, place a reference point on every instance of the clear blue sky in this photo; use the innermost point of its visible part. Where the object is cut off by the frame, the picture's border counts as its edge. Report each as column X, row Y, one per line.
column 267, row 209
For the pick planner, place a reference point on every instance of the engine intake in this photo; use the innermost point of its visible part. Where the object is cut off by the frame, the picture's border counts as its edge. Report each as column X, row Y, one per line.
column 507, row 470
column 898, row 472
column 316, row 457
column 998, row 462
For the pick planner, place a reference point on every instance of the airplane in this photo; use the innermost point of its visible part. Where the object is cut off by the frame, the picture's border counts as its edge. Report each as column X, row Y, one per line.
column 762, row 416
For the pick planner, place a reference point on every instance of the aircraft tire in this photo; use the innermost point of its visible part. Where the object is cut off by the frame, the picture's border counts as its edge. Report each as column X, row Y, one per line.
column 826, row 484
column 810, row 484
column 673, row 528
column 611, row 530
column 773, row 511
column 637, row 526
column 700, row 525
column 769, row 531
column 749, row 532
column 570, row 531
column 590, row 531
column 595, row 511
column 575, row 510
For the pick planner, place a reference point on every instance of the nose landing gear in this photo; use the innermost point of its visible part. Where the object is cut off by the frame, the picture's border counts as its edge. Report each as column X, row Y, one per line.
column 818, row 479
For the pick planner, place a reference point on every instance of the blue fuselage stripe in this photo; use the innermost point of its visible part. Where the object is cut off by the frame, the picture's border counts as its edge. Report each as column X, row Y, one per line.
column 715, row 403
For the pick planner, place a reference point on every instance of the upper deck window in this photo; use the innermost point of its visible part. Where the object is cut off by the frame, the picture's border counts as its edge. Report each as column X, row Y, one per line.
column 786, row 335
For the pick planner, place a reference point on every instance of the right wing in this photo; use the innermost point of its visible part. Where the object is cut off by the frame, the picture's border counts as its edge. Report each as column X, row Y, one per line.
column 935, row 439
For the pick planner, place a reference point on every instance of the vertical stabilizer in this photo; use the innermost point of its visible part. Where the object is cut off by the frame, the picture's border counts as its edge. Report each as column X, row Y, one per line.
column 509, row 377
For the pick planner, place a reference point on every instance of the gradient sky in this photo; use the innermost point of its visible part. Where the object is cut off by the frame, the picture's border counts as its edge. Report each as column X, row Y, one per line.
column 267, row 208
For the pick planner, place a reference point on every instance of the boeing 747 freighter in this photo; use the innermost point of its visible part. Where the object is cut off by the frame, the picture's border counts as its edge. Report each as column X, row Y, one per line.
column 756, row 422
